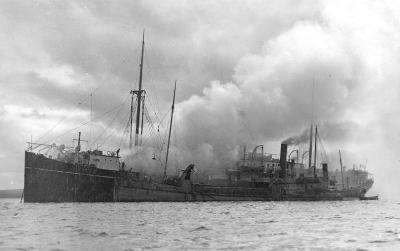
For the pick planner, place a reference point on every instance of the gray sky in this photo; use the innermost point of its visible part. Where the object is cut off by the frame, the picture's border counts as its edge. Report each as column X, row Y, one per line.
column 245, row 72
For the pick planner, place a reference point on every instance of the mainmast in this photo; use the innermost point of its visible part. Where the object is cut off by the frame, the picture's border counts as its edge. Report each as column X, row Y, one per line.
column 169, row 134
column 139, row 96
column 140, row 103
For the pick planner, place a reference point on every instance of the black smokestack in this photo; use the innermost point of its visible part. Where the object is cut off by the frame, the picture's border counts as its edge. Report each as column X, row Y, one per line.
column 282, row 160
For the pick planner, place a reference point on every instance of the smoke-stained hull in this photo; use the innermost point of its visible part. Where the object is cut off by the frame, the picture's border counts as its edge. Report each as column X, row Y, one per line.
column 48, row 180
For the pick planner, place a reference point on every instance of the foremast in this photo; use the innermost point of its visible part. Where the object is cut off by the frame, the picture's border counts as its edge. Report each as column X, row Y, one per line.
column 169, row 134
column 140, row 93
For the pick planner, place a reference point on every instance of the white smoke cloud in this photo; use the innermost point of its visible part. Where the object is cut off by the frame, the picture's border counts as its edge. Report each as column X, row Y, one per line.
column 245, row 69
column 351, row 66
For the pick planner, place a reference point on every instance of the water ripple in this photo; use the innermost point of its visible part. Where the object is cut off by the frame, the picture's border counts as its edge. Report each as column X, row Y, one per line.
column 347, row 225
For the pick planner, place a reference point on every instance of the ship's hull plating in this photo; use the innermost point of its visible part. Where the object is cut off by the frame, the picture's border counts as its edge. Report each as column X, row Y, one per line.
column 48, row 180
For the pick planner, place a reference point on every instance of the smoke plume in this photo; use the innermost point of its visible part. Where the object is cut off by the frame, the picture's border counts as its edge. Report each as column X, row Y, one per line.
column 249, row 73
column 298, row 139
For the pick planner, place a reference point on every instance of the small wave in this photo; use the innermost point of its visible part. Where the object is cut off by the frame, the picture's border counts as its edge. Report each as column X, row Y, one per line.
column 378, row 241
column 392, row 217
column 102, row 234
column 268, row 221
column 81, row 231
column 281, row 233
column 201, row 228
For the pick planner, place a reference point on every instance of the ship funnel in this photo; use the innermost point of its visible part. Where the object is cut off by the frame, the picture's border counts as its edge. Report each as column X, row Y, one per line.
column 282, row 161
column 325, row 170
column 78, row 147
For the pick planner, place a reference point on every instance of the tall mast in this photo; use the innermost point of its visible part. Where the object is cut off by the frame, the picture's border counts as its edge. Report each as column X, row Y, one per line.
column 169, row 134
column 341, row 168
column 139, row 95
column 310, row 150
column 315, row 150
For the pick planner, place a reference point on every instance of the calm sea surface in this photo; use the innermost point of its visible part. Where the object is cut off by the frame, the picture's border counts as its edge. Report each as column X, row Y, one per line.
column 347, row 225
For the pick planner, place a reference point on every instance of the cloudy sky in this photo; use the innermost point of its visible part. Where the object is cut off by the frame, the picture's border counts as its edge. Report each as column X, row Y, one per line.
column 245, row 71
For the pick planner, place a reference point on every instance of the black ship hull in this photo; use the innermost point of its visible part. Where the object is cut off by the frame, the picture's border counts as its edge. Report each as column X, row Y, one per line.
column 48, row 180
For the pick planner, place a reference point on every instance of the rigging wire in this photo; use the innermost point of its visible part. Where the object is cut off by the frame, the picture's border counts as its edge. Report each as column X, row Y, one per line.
column 125, row 132
column 151, row 128
column 323, row 154
column 83, row 124
column 154, row 108
column 103, row 132
column 83, row 101
column 149, row 53
column 63, row 118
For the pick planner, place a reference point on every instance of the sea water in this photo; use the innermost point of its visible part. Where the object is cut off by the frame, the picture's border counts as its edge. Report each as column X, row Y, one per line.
column 340, row 225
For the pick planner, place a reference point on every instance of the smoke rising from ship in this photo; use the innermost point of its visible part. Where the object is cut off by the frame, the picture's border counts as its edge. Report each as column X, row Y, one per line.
column 298, row 139
column 270, row 95
column 244, row 78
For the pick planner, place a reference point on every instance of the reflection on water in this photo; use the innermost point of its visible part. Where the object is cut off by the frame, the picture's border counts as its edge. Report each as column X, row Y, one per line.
column 363, row 225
